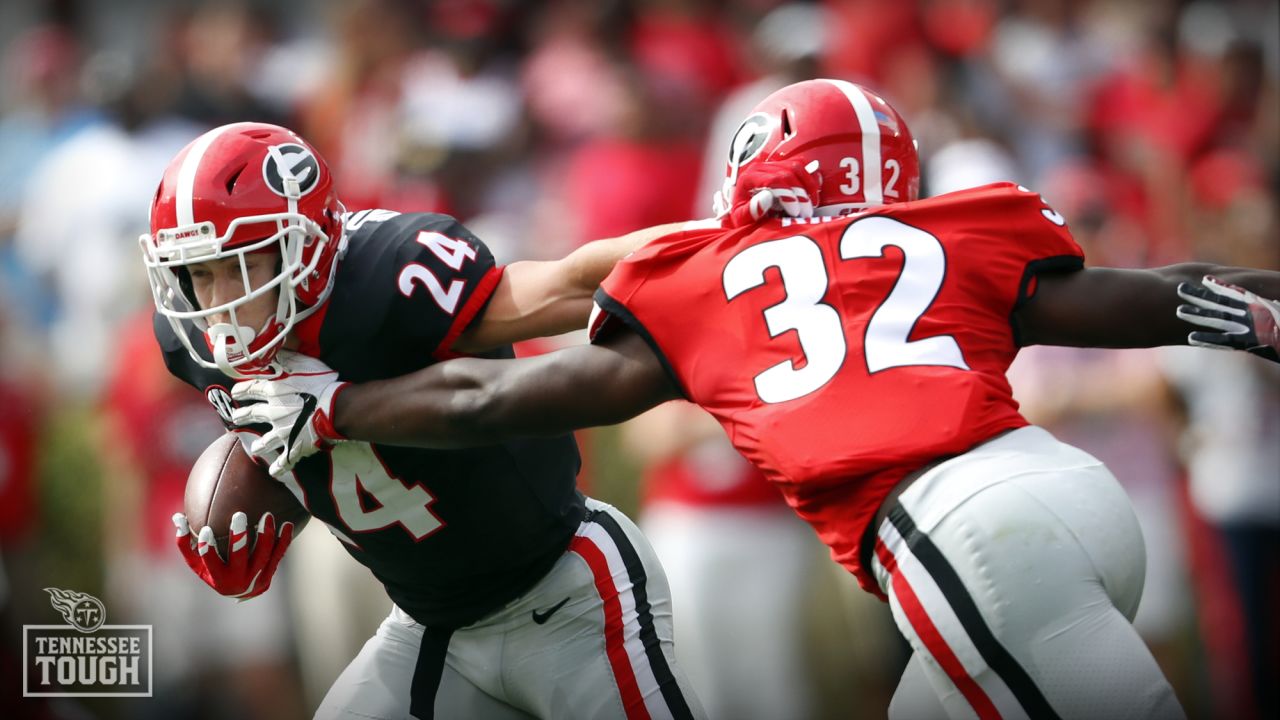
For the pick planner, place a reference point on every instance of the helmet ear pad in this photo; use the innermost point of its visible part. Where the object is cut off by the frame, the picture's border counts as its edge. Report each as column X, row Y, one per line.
column 316, row 285
column 849, row 136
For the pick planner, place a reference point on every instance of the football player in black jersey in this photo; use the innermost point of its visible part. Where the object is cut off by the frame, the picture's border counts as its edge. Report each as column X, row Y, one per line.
column 514, row 595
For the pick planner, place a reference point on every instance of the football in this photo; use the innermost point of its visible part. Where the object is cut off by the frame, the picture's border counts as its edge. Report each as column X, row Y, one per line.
column 224, row 480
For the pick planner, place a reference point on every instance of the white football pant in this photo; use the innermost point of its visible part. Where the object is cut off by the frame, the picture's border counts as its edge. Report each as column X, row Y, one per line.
column 603, row 648
column 1014, row 571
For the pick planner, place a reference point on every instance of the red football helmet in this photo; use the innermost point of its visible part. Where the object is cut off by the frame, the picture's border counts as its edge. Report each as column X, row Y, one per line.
column 235, row 190
column 857, row 142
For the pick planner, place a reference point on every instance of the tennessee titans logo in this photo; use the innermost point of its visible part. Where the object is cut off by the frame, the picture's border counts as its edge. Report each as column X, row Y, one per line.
column 82, row 611
column 293, row 161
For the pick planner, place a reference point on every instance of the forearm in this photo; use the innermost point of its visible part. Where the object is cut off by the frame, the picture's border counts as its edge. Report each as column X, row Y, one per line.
column 1142, row 313
column 441, row 406
column 469, row 402
column 1115, row 308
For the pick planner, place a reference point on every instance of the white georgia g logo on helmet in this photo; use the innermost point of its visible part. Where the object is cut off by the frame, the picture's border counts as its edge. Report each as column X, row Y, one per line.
column 749, row 140
column 290, row 161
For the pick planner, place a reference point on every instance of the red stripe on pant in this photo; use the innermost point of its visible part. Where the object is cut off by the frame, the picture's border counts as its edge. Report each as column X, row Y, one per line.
column 623, row 673
column 932, row 639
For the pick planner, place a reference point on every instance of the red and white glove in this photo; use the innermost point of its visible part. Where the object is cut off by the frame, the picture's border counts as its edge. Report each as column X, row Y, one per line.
column 775, row 188
column 244, row 574
column 298, row 407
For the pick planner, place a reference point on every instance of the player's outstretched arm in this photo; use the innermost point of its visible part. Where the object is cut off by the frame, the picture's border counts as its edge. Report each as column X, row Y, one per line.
column 537, row 299
column 468, row 402
column 1117, row 308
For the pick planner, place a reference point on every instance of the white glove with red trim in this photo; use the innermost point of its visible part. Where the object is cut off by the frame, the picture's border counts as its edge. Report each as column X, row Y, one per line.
column 1239, row 319
column 297, row 405
column 244, row 574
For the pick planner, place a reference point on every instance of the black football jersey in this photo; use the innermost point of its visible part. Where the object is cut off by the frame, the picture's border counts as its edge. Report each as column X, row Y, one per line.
column 451, row 534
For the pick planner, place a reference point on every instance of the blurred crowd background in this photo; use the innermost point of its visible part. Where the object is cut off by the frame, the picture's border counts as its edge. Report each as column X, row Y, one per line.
column 1152, row 125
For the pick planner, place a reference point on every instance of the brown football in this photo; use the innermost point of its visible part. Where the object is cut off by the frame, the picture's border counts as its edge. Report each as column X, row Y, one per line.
column 225, row 479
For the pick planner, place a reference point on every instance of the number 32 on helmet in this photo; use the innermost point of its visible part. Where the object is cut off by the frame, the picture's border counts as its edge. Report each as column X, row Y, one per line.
column 858, row 143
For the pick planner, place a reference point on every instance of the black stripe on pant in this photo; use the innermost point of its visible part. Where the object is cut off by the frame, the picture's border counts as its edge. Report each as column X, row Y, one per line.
column 427, row 673
column 996, row 656
column 671, row 692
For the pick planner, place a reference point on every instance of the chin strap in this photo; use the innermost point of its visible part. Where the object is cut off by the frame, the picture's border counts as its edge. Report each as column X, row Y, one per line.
column 230, row 343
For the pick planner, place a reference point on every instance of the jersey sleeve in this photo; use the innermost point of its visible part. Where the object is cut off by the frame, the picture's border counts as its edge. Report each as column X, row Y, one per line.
column 639, row 296
column 1000, row 238
column 610, row 311
column 623, row 286
column 1044, row 241
column 444, row 278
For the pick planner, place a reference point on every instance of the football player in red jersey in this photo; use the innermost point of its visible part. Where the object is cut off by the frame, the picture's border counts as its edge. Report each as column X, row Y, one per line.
column 858, row 357
column 515, row 596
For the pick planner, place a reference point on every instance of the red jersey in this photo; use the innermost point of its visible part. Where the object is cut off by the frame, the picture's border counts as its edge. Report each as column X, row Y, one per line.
column 842, row 353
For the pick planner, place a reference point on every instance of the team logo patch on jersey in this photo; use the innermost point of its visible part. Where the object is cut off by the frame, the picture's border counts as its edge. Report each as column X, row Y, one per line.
column 221, row 401
column 290, row 160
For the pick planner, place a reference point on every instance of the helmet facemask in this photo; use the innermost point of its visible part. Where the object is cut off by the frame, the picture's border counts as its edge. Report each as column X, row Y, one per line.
column 238, row 350
column 237, row 190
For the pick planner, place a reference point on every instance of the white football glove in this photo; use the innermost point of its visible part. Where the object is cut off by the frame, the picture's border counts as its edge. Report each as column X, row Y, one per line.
column 1231, row 318
column 297, row 404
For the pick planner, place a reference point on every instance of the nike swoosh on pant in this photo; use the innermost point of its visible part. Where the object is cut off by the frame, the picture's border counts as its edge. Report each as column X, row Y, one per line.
column 542, row 617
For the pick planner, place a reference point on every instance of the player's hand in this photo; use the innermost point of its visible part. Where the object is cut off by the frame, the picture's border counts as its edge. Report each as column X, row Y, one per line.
column 780, row 188
column 1237, row 319
column 245, row 573
column 297, row 404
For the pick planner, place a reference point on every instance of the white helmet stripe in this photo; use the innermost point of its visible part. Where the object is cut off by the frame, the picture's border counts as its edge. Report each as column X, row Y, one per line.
column 872, row 187
column 187, row 174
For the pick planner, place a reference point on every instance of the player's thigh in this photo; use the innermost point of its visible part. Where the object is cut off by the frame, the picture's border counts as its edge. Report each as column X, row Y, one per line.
column 403, row 672
column 457, row 697
column 594, row 638
column 1010, row 598
column 378, row 681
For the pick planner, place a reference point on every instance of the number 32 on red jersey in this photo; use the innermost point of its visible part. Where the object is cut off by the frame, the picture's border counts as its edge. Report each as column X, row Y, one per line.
column 818, row 326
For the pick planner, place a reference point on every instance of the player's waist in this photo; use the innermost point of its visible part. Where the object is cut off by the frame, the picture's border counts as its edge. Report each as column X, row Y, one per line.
column 456, row 595
column 882, row 511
